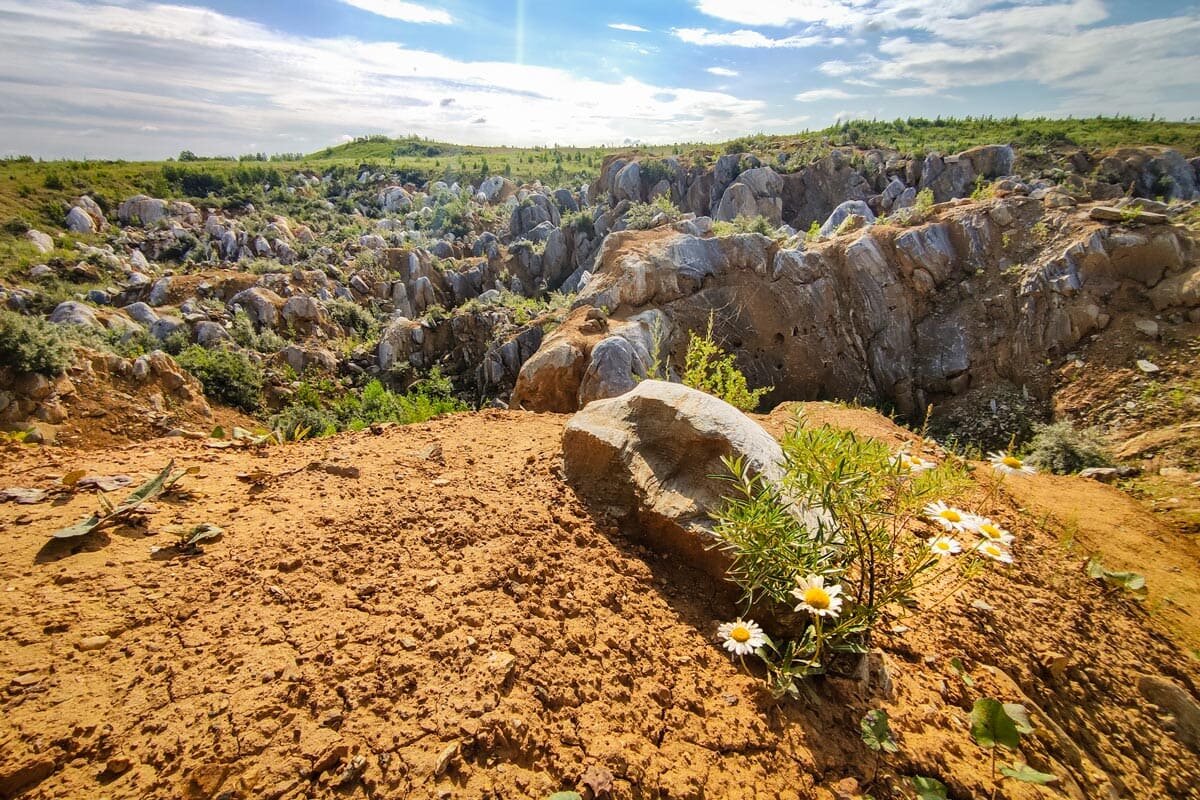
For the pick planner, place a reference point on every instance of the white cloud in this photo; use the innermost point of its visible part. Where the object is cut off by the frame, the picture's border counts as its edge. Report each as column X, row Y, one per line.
column 405, row 12
column 745, row 38
column 625, row 26
column 817, row 95
column 723, row 72
column 835, row 13
column 213, row 83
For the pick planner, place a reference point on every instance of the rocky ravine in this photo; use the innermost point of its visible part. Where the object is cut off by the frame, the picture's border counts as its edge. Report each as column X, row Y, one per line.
column 983, row 294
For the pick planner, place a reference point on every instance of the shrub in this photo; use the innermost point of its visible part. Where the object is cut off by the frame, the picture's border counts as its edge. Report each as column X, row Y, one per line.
column 352, row 316
column 710, row 369
column 228, row 376
column 31, row 344
column 315, row 412
column 860, row 554
column 745, row 224
column 1064, row 449
column 641, row 216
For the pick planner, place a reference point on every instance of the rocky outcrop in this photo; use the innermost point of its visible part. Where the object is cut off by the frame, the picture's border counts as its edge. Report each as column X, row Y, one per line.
column 897, row 316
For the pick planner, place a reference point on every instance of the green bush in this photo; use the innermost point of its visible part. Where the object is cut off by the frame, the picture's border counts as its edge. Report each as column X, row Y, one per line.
column 710, row 369
column 860, row 555
column 30, row 344
column 352, row 316
column 228, row 376
column 318, row 410
column 744, row 224
column 641, row 216
column 1063, row 449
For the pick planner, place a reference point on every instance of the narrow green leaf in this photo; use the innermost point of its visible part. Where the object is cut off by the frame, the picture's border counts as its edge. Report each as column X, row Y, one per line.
column 956, row 664
column 1027, row 774
column 929, row 788
column 81, row 528
column 991, row 726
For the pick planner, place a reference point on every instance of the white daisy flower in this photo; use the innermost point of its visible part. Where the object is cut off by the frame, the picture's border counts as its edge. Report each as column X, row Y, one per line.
column 1008, row 464
column 816, row 598
column 907, row 462
column 950, row 518
column 991, row 531
column 995, row 551
column 742, row 637
column 945, row 546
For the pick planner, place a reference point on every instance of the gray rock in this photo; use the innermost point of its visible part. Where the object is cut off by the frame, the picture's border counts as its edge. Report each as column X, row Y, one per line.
column 72, row 312
column 160, row 292
column 40, row 241
column 648, row 457
column 208, row 333
column 839, row 215
column 628, row 184
column 261, row 305
column 141, row 312
column 142, row 210
column 610, row 372
column 78, row 221
column 163, row 327
column 1101, row 474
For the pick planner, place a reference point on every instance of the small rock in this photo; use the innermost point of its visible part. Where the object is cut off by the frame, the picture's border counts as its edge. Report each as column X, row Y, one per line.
column 1101, row 474
column 1148, row 367
column 117, row 765
column 89, row 643
column 445, row 758
column 1147, row 327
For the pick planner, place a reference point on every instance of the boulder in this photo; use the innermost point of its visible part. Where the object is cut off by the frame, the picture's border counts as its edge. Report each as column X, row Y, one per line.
column 261, row 305
column 72, row 312
column 78, row 221
column 40, row 241
column 844, row 211
column 648, row 457
column 142, row 210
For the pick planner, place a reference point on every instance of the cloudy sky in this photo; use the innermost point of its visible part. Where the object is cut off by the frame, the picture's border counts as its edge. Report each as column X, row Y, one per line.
column 126, row 79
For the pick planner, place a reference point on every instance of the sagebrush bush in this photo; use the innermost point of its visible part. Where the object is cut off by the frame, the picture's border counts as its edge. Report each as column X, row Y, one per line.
column 228, row 376
column 1064, row 449
column 31, row 344
column 710, row 369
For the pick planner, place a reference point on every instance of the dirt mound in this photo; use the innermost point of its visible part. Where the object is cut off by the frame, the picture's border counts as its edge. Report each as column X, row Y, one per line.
column 429, row 612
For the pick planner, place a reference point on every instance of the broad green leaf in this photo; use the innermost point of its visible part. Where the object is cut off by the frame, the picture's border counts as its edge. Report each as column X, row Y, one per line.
column 877, row 733
column 929, row 788
column 1027, row 774
column 565, row 796
column 217, row 433
column 81, row 528
column 1020, row 717
column 956, row 664
column 1129, row 581
column 991, row 725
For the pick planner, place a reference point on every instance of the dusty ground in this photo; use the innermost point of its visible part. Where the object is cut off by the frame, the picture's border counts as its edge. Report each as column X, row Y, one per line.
column 453, row 623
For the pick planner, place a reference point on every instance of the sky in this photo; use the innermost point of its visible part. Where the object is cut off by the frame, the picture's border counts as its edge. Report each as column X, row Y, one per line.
column 127, row 79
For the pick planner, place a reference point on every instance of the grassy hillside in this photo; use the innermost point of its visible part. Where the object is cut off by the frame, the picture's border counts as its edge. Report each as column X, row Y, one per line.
column 36, row 193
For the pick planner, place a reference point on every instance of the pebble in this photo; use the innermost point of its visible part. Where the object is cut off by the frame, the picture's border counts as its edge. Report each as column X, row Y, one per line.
column 89, row 643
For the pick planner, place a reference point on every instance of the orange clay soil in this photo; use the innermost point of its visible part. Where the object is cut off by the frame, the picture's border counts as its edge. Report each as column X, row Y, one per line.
column 452, row 623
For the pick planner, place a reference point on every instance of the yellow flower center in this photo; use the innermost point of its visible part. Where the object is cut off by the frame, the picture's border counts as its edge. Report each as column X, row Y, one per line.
column 991, row 550
column 1013, row 462
column 950, row 515
column 816, row 597
column 989, row 530
column 740, row 634
column 942, row 545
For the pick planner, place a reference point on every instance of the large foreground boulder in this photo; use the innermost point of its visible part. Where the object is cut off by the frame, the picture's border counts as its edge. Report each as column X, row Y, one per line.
column 648, row 458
